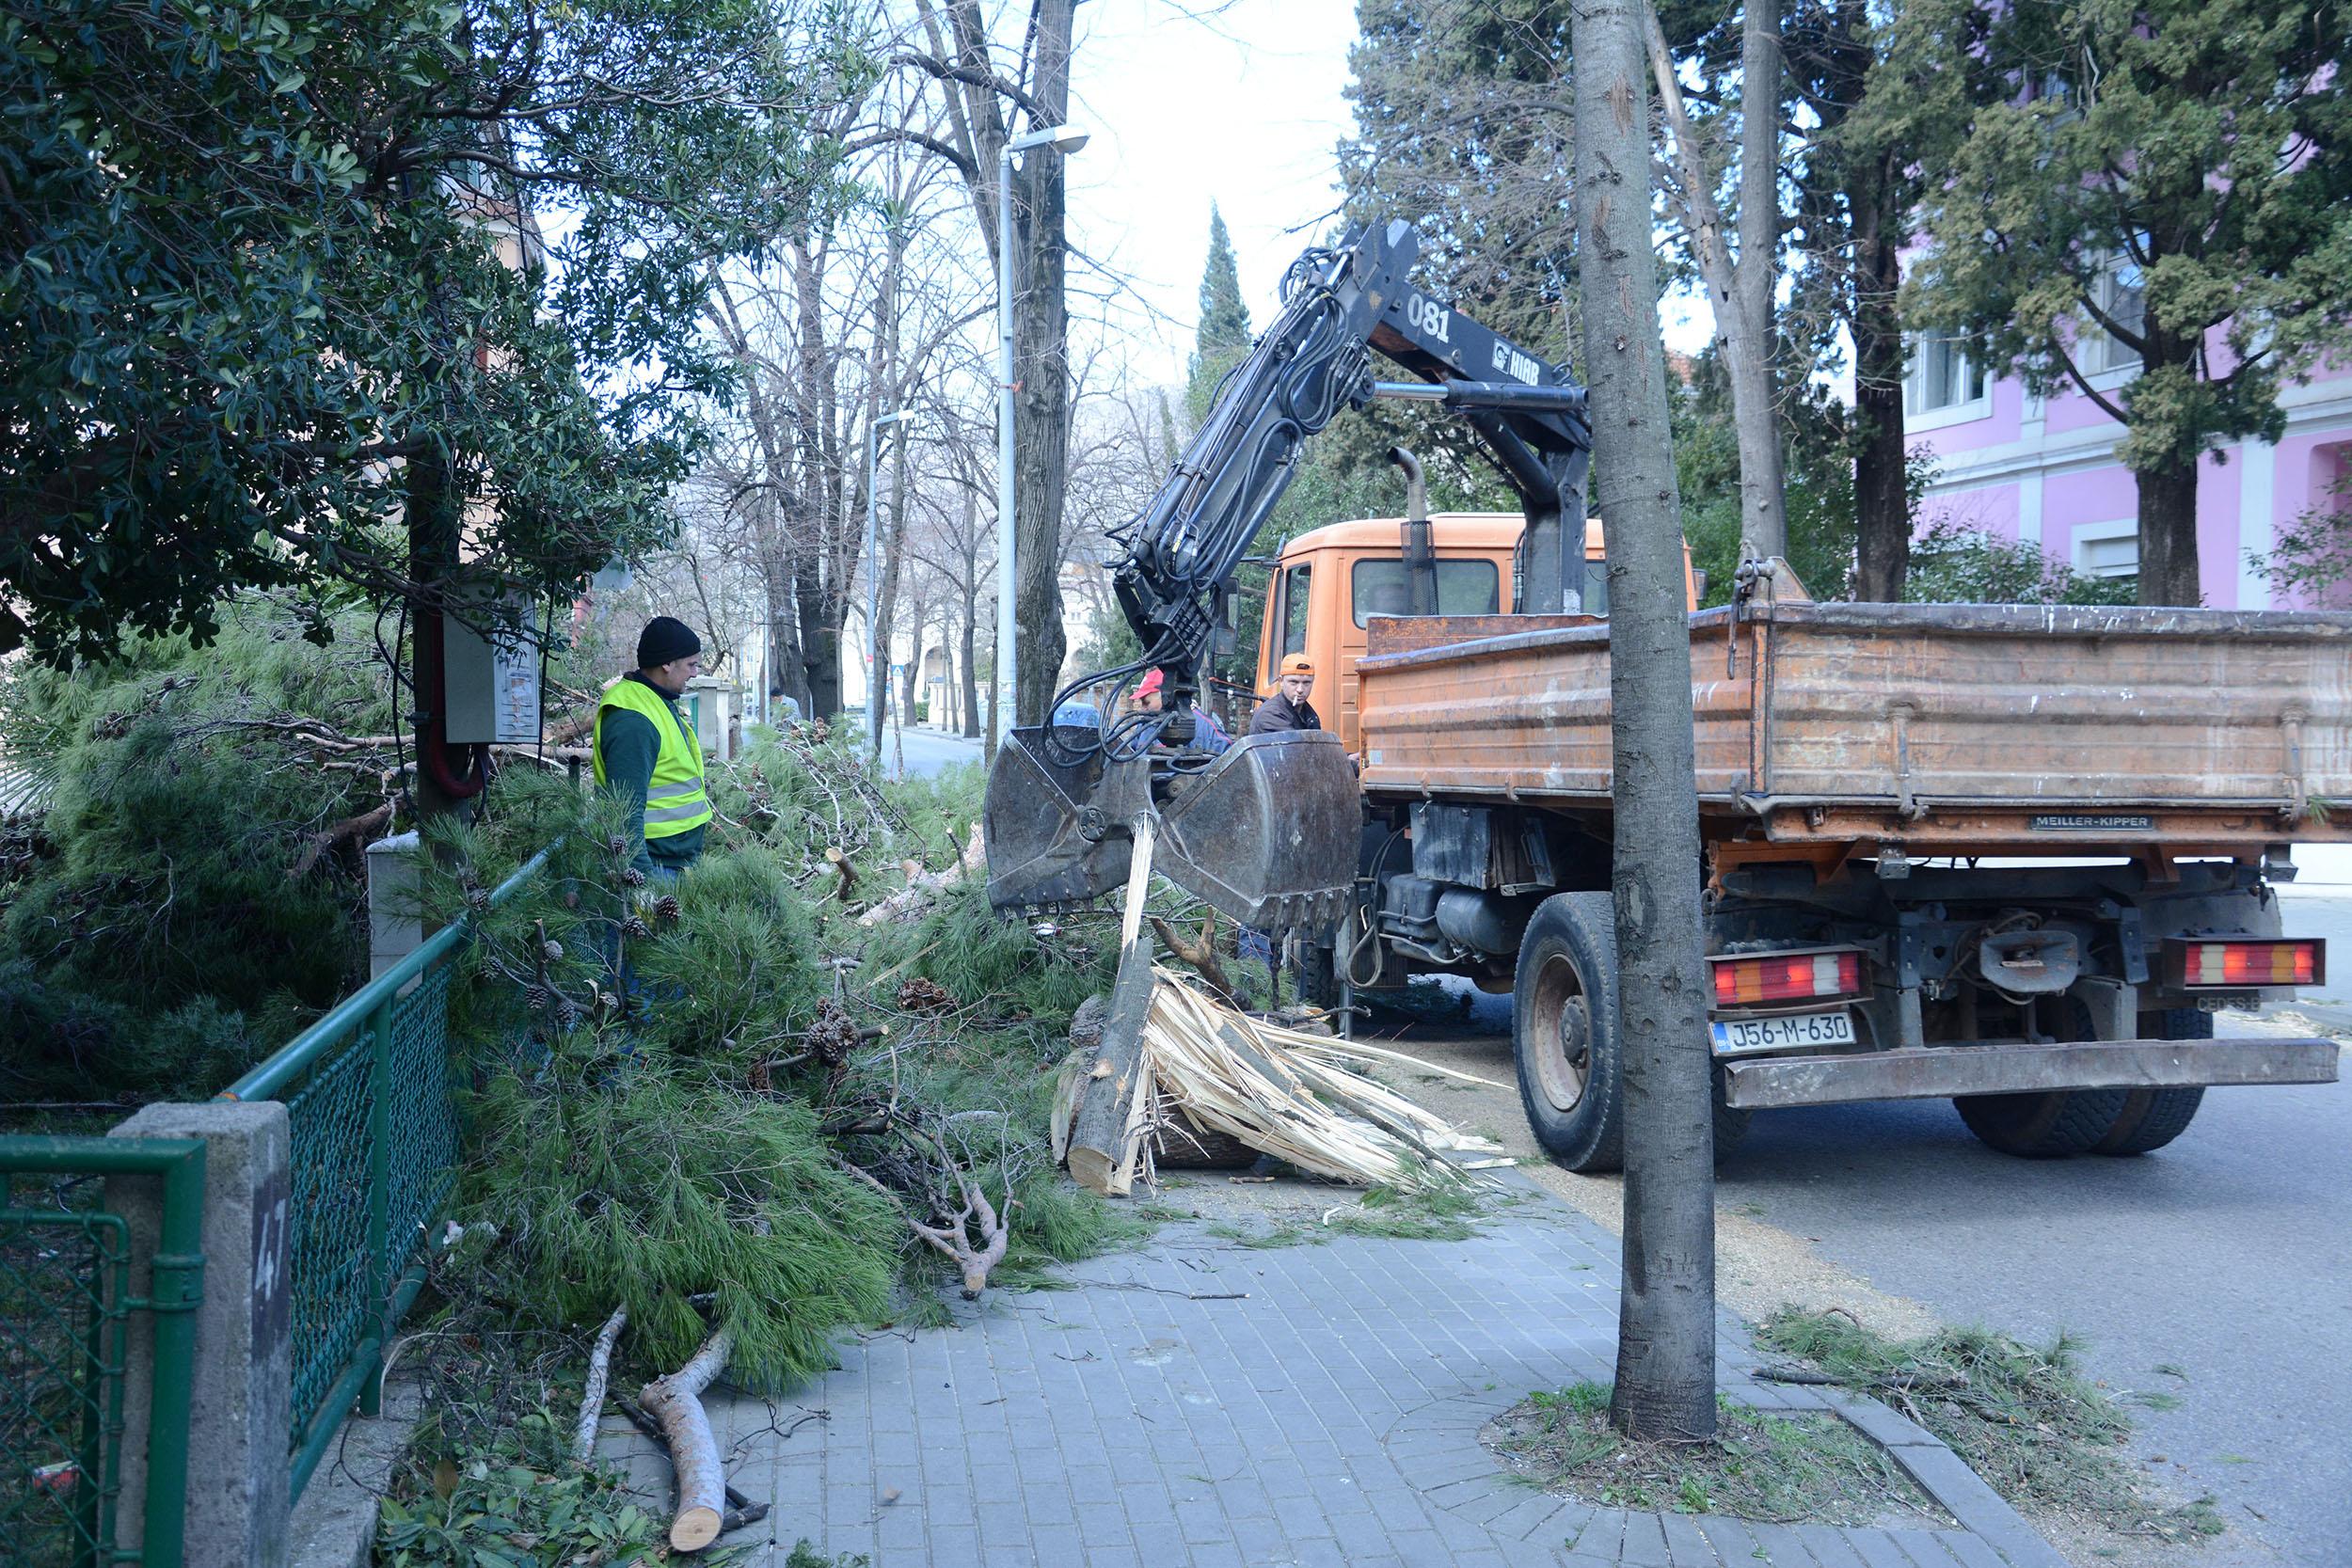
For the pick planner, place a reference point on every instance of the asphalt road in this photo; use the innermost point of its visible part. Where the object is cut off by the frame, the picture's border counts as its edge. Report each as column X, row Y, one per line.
column 2225, row 1258
column 925, row 751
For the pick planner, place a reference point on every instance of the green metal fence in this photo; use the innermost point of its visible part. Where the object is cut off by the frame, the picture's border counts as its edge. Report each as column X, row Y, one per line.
column 374, row 1136
column 67, row 1298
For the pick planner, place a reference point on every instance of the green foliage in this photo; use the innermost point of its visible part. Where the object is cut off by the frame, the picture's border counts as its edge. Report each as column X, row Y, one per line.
column 623, row 1180
column 1952, row 564
column 506, row 1495
column 2200, row 150
column 255, row 309
column 159, row 943
column 2027, row 1421
column 1756, row 1466
column 2312, row 554
column 1222, row 340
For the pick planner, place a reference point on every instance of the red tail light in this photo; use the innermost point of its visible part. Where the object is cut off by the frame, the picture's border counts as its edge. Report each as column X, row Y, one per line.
column 2227, row 963
column 1786, row 978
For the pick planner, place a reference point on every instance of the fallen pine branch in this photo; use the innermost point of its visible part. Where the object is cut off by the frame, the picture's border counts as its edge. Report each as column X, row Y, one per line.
column 350, row 827
column 600, row 1376
column 923, row 886
column 676, row 1402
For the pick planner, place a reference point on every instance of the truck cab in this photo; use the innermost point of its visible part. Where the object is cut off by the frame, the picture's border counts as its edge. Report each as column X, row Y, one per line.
column 1329, row 584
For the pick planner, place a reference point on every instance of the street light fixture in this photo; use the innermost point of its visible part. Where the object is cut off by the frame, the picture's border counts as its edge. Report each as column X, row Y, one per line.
column 1064, row 139
column 877, row 657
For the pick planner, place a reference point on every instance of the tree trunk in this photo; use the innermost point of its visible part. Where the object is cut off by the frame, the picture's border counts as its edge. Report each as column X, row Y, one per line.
column 912, row 680
column 1763, row 484
column 1665, row 1382
column 2167, row 534
column 1880, row 481
column 1739, row 292
column 1041, row 374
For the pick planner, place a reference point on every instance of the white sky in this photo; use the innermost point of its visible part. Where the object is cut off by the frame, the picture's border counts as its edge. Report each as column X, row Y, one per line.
column 1243, row 107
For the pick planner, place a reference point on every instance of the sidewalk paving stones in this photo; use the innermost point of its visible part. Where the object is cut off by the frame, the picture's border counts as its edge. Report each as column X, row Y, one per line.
column 1197, row 1404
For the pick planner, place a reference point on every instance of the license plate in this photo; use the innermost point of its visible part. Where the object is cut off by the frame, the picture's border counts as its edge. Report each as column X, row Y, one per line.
column 1737, row 1036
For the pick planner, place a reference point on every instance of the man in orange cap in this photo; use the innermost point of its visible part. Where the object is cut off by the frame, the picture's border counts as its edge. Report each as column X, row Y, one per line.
column 1288, row 708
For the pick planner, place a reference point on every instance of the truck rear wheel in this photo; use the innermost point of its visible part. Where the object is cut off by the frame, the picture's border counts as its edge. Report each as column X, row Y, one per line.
column 2153, row 1117
column 2052, row 1124
column 1564, row 1030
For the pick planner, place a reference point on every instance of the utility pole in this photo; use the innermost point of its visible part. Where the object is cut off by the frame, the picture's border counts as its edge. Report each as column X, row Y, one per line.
column 1665, row 1382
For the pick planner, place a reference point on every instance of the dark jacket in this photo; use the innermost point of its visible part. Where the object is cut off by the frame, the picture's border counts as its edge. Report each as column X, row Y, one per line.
column 630, row 747
column 1276, row 714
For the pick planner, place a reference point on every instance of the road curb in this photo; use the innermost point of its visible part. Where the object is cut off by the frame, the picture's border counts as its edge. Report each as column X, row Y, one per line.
column 1944, row 1476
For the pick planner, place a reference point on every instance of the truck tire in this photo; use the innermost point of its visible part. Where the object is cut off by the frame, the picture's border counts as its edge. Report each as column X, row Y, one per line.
column 1731, row 1125
column 2048, row 1125
column 1316, row 968
column 2153, row 1117
column 1564, row 1030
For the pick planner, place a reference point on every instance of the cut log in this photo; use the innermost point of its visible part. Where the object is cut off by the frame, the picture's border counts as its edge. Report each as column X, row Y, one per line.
column 676, row 1402
column 600, row 1376
column 1099, row 1144
column 923, row 886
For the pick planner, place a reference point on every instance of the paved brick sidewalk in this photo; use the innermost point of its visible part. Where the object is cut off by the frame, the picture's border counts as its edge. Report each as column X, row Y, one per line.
column 1203, row 1404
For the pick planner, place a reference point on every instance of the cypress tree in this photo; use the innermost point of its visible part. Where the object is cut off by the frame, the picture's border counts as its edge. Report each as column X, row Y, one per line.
column 1223, row 336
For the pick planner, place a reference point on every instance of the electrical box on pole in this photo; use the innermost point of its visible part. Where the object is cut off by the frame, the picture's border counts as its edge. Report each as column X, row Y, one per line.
column 490, row 677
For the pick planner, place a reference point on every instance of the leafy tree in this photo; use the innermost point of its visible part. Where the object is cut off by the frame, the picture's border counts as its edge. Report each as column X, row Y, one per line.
column 1952, row 564
column 2176, row 174
column 257, row 314
column 1222, row 340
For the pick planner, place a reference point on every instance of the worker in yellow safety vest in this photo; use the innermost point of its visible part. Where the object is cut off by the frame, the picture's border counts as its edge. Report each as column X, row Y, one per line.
column 647, row 754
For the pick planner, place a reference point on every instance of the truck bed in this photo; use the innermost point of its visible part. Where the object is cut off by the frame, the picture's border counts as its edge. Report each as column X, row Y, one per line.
column 1953, row 728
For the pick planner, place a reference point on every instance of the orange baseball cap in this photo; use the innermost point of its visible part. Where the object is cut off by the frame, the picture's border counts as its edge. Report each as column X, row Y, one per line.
column 1298, row 664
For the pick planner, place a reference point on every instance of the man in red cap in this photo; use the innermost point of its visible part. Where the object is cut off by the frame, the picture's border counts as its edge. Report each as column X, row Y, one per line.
column 1207, row 734
column 1288, row 708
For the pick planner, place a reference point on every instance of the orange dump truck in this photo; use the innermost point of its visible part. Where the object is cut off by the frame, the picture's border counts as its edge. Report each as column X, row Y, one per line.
column 2014, row 855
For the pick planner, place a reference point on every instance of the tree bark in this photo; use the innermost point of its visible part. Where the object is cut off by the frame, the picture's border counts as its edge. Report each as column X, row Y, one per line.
column 1763, row 484
column 1741, row 293
column 1042, row 378
column 1665, row 1380
column 1881, row 486
column 676, row 1402
column 2167, row 534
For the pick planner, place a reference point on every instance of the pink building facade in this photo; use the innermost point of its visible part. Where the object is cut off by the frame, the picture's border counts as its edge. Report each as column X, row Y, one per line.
column 2042, row 470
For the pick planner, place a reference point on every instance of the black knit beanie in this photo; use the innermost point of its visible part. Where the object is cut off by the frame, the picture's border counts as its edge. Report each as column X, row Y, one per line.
column 663, row 640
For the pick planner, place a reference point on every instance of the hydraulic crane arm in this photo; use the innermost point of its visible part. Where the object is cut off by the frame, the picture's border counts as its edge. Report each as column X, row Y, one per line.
column 1267, row 832
column 1339, row 303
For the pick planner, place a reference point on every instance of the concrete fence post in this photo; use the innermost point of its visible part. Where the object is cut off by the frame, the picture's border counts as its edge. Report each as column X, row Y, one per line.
column 238, row 1468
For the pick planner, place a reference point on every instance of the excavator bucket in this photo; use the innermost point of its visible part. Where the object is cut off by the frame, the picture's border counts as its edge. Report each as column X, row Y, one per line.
column 1266, row 834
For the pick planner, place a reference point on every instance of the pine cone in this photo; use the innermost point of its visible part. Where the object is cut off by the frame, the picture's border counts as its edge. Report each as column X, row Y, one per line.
column 832, row 1036
column 616, row 844
column 665, row 907
column 919, row 995
column 633, row 927
column 536, row 998
column 633, row 877
column 566, row 1017
column 552, row 951
column 477, row 898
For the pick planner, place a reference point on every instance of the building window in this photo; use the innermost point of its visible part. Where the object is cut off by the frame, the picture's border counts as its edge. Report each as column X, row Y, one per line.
column 2107, row 549
column 2119, row 291
column 1943, row 375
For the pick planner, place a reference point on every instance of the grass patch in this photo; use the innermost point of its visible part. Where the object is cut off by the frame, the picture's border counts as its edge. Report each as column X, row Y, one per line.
column 1780, row 1468
column 2039, row 1432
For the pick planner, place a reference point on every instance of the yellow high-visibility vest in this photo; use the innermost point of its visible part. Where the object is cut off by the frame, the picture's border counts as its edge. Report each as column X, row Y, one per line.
column 674, row 800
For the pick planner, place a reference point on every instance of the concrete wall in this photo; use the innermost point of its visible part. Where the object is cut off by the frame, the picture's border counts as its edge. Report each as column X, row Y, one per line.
column 238, row 1475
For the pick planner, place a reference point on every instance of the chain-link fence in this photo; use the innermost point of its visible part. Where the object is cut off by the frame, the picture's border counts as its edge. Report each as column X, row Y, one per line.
column 70, row 1274
column 374, row 1147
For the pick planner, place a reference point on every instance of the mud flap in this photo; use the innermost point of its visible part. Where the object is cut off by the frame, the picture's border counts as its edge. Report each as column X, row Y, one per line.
column 1266, row 834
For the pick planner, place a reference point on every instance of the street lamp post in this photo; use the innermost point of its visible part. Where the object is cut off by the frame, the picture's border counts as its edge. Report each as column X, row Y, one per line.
column 877, row 657
column 1064, row 139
